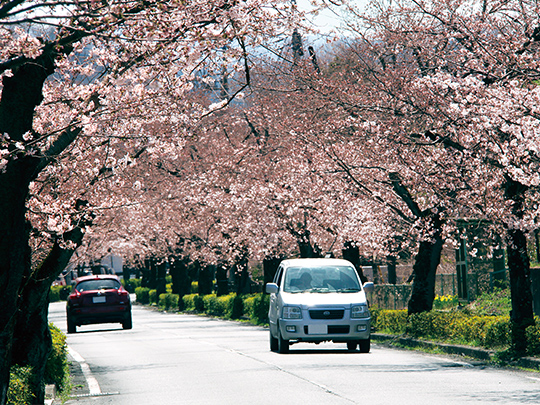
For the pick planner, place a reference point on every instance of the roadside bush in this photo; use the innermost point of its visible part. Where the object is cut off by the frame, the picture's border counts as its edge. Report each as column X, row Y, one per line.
column 57, row 369
column 459, row 327
column 56, row 372
column 193, row 302
column 218, row 306
column 389, row 321
column 131, row 284
column 143, row 295
column 198, row 303
column 533, row 339
column 153, row 297
column 59, row 293
column 189, row 302
column 258, row 308
column 168, row 301
column 237, row 310
column 498, row 332
column 19, row 392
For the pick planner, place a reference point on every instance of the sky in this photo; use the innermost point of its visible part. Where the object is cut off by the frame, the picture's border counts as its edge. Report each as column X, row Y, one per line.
column 327, row 20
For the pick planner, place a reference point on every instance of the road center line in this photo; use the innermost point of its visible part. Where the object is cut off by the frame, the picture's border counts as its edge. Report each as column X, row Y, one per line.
column 93, row 385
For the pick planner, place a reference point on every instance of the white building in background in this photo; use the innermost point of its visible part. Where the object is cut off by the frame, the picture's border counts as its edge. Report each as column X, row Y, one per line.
column 114, row 262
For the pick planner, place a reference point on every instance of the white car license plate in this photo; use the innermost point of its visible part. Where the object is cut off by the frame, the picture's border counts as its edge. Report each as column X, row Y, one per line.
column 98, row 300
column 317, row 329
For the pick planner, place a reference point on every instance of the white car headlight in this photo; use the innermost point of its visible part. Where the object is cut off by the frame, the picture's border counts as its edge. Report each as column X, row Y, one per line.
column 359, row 311
column 292, row 313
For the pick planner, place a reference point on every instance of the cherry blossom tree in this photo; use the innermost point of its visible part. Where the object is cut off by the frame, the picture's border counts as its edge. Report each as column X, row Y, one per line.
column 449, row 91
column 86, row 77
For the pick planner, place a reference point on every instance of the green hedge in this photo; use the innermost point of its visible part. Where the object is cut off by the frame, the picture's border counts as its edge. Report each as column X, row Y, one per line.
column 57, row 369
column 59, row 293
column 231, row 306
column 449, row 326
column 56, row 372
column 168, row 301
column 131, row 284
column 142, row 295
column 19, row 392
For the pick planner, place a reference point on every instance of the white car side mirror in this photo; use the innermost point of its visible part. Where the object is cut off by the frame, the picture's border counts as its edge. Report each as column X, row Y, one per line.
column 272, row 288
column 369, row 286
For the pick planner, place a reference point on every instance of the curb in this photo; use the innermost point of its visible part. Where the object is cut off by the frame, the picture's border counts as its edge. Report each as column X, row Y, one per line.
column 50, row 394
column 531, row 363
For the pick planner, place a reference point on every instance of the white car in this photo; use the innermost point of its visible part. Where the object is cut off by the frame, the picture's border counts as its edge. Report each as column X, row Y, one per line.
column 317, row 300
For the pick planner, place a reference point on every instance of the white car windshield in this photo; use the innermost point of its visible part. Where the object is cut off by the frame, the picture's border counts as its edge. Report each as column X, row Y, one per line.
column 321, row 279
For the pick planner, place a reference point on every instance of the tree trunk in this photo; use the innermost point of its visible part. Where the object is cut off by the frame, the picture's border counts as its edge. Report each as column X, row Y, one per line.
column 351, row 253
column 391, row 263
column 32, row 339
column 21, row 93
column 522, row 315
column 243, row 285
column 222, row 280
column 270, row 266
column 425, row 268
column 161, row 277
column 205, row 280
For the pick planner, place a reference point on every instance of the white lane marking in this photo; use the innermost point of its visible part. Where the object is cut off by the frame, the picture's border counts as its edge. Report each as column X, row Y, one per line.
column 93, row 385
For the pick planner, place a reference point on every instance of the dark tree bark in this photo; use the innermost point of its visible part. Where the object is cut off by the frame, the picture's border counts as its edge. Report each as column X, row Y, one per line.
column 161, row 277
column 391, row 263
column 425, row 270
column 429, row 252
column 21, row 93
column 205, row 280
column 180, row 277
column 242, row 279
column 222, row 280
column 522, row 315
column 351, row 253
column 32, row 340
column 270, row 266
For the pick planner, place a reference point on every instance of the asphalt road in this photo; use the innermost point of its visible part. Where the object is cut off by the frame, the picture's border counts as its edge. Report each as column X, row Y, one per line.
column 187, row 359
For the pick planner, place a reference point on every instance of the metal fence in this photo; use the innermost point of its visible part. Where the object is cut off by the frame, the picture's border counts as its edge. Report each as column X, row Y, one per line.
column 396, row 296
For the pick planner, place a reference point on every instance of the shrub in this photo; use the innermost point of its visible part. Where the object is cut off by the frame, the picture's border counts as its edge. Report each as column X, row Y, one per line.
column 143, row 295
column 458, row 327
column 248, row 304
column 389, row 321
column 57, row 369
column 189, row 302
column 498, row 332
column 533, row 339
column 237, row 310
column 59, row 293
column 56, row 372
column 258, row 310
column 19, row 392
column 153, row 297
column 131, row 284
column 168, row 301
column 198, row 303
column 216, row 306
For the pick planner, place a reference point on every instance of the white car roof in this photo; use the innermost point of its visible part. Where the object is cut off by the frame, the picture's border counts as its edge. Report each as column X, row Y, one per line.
column 315, row 262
